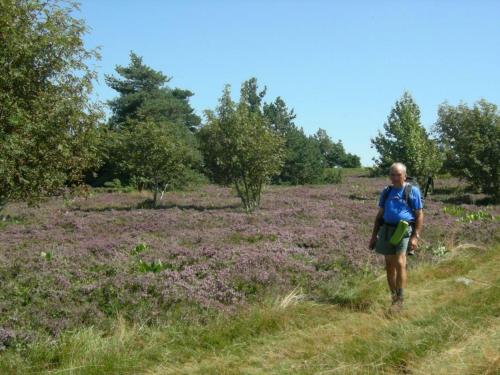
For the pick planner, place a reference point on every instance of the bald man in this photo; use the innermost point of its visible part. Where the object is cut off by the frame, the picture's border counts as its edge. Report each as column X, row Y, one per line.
column 393, row 207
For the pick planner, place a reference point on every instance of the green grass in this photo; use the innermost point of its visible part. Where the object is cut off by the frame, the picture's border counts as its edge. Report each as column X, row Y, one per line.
column 363, row 171
column 446, row 327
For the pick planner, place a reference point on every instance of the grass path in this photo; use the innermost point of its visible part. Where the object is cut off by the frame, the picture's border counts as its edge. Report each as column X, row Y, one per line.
column 445, row 326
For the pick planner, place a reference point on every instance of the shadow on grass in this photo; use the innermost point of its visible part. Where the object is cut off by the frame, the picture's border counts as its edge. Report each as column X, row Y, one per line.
column 148, row 205
column 349, row 304
column 467, row 199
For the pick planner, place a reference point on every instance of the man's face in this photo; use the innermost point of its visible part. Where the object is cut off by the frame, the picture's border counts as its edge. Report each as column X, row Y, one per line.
column 397, row 176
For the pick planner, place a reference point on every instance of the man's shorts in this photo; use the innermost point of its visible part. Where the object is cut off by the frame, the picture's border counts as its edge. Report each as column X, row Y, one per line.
column 383, row 246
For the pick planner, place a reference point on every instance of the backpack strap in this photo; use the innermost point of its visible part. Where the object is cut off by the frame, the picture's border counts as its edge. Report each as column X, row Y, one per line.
column 406, row 194
column 385, row 194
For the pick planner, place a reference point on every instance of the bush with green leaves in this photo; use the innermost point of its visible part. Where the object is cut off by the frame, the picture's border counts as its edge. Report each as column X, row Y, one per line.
column 155, row 154
column 239, row 145
column 470, row 138
column 48, row 124
column 114, row 184
column 332, row 175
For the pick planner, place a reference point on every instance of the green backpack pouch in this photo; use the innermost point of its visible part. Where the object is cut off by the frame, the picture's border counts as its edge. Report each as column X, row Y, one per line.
column 399, row 233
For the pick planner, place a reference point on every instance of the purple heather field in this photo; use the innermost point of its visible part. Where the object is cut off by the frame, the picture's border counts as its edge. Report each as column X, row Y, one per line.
column 74, row 263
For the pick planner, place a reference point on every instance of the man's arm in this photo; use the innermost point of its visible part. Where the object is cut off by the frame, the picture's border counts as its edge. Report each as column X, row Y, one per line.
column 376, row 227
column 419, row 222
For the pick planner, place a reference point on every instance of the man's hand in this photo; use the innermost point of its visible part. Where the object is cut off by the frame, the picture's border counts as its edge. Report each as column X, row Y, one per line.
column 372, row 242
column 413, row 243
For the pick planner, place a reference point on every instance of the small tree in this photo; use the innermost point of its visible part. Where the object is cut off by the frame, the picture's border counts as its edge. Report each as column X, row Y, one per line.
column 153, row 154
column 470, row 138
column 239, row 145
column 406, row 140
column 47, row 122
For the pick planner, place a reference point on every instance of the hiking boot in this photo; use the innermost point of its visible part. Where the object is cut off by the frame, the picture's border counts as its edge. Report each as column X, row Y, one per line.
column 398, row 302
column 394, row 298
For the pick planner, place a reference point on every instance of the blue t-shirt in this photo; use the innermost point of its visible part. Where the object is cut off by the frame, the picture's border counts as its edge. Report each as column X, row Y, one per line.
column 397, row 209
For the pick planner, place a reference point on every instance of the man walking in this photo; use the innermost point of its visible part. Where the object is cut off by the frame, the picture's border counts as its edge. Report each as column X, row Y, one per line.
column 399, row 201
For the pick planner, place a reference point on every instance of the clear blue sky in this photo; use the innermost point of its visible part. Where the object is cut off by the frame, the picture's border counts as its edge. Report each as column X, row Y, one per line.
column 340, row 64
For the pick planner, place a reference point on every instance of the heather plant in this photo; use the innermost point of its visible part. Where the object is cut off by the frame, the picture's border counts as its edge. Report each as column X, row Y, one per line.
column 198, row 255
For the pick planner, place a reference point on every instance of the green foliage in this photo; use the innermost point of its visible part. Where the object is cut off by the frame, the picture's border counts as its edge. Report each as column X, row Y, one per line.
column 279, row 116
column 154, row 154
column 140, row 248
column 115, row 183
column 469, row 217
column 332, row 175
column 239, row 145
column 405, row 140
column 143, row 94
column 47, row 123
column 334, row 153
column 438, row 249
column 305, row 156
column 145, row 98
column 142, row 266
column 470, row 138
column 303, row 162
column 457, row 211
column 154, row 266
column 47, row 255
column 478, row 215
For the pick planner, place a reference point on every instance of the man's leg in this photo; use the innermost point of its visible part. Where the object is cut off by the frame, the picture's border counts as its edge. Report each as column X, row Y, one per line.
column 390, row 266
column 401, row 275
